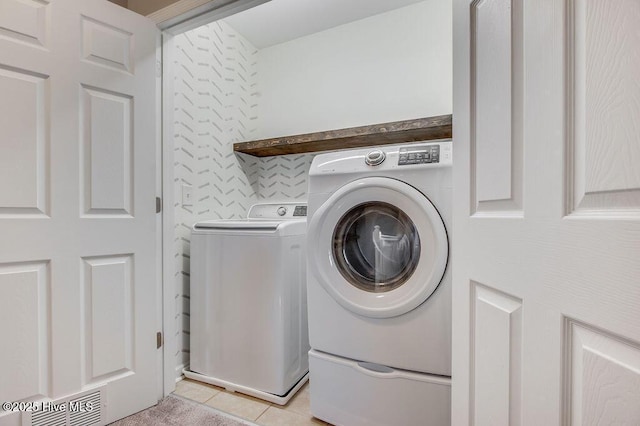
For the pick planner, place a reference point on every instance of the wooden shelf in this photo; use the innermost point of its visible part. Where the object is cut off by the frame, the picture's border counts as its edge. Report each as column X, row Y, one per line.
column 421, row 129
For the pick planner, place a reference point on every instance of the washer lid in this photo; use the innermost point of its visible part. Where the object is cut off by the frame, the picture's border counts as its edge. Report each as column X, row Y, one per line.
column 266, row 225
column 280, row 228
column 379, row 247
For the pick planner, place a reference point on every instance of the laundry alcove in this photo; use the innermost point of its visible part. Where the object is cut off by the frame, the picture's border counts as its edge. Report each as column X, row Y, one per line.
column 284, row 68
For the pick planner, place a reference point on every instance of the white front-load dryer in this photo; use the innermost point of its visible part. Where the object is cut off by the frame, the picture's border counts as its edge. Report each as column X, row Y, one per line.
column 379, row 282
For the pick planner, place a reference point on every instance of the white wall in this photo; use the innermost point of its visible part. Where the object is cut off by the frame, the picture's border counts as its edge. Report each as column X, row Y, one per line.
column 392, row 66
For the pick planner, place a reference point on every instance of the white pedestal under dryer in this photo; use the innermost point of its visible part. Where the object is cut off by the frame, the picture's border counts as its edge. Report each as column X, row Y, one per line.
column 379, row 285
column 248, row 302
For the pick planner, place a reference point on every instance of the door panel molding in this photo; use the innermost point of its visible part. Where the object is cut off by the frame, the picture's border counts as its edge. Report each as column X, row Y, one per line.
column 25, row 310
column 603, row 102
column 601, row 376
column 106, row 150
column 32, row 28
column 108, row 314
column 496, row 108
column 24, row 120
column 106, row 45
column 496, row 322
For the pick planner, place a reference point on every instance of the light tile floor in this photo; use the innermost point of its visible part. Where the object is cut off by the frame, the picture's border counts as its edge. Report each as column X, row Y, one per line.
column 295, row 413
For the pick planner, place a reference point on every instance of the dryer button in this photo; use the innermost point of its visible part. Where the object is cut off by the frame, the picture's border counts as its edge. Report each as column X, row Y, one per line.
column 375, row 158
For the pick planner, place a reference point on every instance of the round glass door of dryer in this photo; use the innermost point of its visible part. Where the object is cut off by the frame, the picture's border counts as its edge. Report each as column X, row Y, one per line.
column 376, row 247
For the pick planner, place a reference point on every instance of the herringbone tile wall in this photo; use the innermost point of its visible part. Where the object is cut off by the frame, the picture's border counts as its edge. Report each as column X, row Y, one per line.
column 215, row 104
column 284, row 177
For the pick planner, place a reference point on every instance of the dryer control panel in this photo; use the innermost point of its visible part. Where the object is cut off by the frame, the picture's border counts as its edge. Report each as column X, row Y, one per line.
column 420, row 154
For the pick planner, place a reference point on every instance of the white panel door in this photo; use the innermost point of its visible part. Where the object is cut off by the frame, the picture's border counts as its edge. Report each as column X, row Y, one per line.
column 78, row 278
column 546, row 232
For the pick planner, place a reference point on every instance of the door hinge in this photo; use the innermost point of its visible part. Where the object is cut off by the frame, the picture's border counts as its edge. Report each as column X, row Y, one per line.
column 158, row 339
column 158, row 204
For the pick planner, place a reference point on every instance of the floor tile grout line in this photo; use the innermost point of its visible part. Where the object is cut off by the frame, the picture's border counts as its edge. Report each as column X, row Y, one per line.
column 239, row 395
column 262, row 414
column 222, row 391
column 213, row 396
column 223, row 413
column 265, row 411
column 242, row 397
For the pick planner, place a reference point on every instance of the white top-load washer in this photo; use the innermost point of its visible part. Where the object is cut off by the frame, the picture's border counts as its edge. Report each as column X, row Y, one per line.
column 379, row 285
column 248, row 302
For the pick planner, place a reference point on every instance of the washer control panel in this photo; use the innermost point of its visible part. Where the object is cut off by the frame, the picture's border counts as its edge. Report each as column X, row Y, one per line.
column 300, row 211
column 420, row 154
column 278, row 211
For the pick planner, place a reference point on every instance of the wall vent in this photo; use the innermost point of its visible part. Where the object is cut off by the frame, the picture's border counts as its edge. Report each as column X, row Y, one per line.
column 88, row 412
column 49, row 418
column 83, row 409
